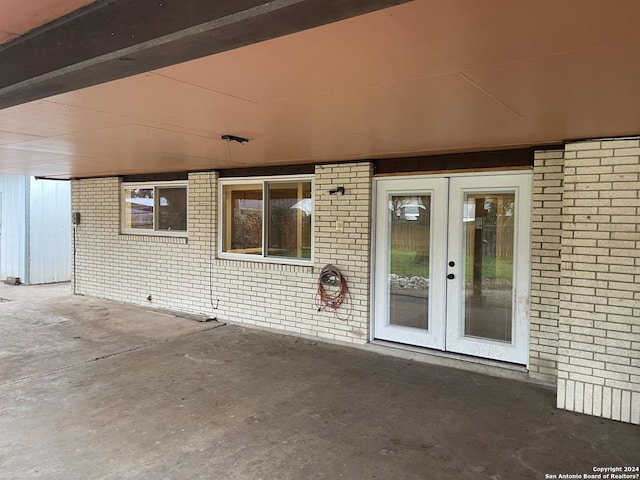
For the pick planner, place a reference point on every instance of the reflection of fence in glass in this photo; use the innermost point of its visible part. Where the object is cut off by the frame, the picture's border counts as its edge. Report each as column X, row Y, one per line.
column 139, row 208
column 488, row 240
column 494, row 220
column 497, row 241
column 405, row 236
column 410, row 222
column 141, row 218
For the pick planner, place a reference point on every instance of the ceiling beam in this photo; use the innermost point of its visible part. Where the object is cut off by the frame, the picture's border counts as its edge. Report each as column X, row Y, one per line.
column 111, row 39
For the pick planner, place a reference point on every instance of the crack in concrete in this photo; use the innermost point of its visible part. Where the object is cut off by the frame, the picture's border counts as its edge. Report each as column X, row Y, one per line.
column 518, row 456
column 109, row 355
column 202, row 360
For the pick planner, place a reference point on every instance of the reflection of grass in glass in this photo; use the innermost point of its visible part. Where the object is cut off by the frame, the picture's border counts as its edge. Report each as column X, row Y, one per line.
column 404, row 263
column 500, row 268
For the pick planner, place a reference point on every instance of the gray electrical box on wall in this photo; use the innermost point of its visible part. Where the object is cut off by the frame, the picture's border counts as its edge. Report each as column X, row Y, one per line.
column 75, row 218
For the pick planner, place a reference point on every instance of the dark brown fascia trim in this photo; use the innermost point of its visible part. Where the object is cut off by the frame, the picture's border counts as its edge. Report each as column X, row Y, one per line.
column 304, row 169
column 156, row 177
column 522, row 157
column 552, row 146
column 456, row 161
column 113, row 39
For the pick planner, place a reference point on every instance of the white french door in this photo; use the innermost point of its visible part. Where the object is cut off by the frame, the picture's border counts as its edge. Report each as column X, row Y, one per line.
column 452, row 263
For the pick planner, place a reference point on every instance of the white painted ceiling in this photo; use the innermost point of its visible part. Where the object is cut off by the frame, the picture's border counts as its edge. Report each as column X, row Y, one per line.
column 426, row 77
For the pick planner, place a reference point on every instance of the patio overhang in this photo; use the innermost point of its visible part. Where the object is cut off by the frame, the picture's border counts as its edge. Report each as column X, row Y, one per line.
column 141, row 87
column 105, row 41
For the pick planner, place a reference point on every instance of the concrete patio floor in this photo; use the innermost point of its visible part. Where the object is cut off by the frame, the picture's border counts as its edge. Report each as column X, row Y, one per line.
column 91, row 389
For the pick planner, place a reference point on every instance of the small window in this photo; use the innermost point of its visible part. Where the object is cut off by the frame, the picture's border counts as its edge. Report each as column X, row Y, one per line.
column 154, row 208
column 267, row 219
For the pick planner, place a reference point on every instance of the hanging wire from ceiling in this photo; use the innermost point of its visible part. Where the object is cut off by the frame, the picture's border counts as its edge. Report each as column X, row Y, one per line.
column 229, row 150
column 212, row 204
column 233, row 138
column 214, row 308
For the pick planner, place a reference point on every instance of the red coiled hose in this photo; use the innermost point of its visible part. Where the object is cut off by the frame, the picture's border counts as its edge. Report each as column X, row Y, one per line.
column 332, row 291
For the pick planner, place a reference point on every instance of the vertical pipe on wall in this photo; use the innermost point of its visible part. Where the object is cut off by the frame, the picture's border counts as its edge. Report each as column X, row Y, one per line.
column 75, row 276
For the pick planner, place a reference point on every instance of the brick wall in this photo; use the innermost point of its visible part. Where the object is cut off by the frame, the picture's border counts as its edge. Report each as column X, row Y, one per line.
column 349, row 250
column 599, row 308
column 585, row 304
column 546, row 234
column 185, row 275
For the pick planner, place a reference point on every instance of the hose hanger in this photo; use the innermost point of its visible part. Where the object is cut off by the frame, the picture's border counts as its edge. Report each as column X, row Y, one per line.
column 333, row 292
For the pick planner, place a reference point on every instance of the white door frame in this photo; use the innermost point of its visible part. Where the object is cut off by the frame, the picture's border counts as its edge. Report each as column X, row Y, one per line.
column 448, row 334
column 437, row 188
column 515, row 351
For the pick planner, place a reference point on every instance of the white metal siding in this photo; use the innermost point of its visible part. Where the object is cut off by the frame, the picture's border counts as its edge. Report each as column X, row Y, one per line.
column 50, row 232
column 13, row 227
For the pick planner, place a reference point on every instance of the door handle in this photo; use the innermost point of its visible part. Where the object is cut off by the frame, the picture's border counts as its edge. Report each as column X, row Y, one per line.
column 451, row 276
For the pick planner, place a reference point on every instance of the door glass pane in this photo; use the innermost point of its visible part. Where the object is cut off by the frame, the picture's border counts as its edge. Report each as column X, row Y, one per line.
column 410, row 219
column 488, row 264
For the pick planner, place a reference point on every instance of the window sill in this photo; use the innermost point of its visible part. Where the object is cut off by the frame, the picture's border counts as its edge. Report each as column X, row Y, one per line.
column 261, row 263
column 137, row 237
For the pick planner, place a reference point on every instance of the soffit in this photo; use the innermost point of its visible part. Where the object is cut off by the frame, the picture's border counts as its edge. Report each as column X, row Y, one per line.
column 18, row 16
column 421, row 78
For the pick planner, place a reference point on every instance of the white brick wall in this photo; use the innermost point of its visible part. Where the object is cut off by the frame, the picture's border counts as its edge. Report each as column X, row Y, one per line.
column 176, row 272
column 546, row 234
column 349, row 250
column 599, row 306
column 585, row 304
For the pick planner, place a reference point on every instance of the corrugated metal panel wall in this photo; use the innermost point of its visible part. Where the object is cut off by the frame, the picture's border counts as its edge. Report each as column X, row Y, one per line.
column 50, row 233
column 13, row 228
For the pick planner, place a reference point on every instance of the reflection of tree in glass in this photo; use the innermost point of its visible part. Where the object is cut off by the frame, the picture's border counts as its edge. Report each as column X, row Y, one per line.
column 247, row 229
column 283, row 229
column 141, row 193
column 494, row 209
column 490, row 257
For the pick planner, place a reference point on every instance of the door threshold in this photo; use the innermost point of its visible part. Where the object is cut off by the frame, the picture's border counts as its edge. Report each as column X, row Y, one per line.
column 484, row 366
